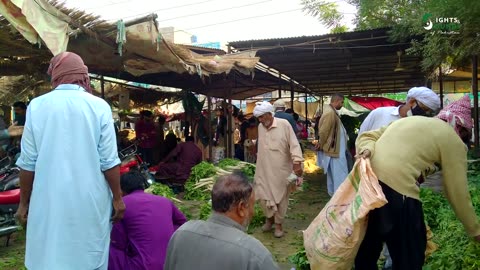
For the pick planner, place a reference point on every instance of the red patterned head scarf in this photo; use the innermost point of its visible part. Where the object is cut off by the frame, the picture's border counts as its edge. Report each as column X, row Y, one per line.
column 458, row 114
column 68, row 68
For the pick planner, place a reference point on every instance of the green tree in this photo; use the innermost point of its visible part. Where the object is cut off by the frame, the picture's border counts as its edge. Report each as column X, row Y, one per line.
column 407, row 20
column 327, row 13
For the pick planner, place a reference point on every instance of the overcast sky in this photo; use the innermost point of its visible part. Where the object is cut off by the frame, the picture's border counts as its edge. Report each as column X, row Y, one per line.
column 219, row 20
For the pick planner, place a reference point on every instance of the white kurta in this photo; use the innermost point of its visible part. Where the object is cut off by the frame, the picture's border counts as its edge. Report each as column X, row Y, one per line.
column 335, row 168
column 378, row 118
column 68, row 141
column 278, row 149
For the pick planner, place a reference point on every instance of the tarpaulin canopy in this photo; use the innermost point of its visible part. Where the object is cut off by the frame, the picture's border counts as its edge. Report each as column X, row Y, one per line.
column 353, row 106
column 131, row 50
column 372, row 103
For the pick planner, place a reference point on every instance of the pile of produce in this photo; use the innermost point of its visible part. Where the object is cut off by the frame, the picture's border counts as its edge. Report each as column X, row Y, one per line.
column 200, row 171
column 201, row 181
column 162, row 190
column 204, row 175
column 455, row 249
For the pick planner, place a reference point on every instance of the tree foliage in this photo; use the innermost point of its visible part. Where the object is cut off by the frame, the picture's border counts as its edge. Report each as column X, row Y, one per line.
column 405, row 17
column 327, row 13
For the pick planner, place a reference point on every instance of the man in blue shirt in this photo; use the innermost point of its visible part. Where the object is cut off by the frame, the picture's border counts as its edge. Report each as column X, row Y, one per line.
column 279, row 107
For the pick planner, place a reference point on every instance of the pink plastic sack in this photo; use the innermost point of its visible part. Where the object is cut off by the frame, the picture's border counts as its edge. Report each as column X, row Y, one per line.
column 333, row 238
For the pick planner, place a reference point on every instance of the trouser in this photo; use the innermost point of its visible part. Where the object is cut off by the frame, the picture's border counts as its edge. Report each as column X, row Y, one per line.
column 337, row 172
column 400, row 224
column 205, row 150
column 239, row 154
column 279, row 213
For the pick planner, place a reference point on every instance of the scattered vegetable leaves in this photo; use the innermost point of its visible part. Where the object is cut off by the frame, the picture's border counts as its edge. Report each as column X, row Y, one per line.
column 257, row 220
column 300, row 260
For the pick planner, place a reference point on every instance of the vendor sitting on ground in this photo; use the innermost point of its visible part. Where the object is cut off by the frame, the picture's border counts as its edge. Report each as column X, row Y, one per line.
column 140, row 239
column 402, row 154
column 176, row 167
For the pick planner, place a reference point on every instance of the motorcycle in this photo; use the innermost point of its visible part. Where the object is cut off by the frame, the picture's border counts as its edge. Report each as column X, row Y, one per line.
column 10, row 184
column 131, row 160
column 9, row 194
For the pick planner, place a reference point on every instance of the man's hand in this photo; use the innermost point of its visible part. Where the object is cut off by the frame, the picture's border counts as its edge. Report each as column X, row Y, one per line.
column 119, row 208
column 22, row 214
column 299, row 181
column 297, row 169
column 364, row 154
column 15, row 131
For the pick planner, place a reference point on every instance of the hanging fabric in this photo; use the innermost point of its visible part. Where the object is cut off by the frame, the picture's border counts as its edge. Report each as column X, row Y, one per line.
column 121, row 36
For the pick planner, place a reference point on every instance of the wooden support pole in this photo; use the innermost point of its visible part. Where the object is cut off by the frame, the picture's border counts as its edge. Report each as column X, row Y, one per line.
column 102, row 84
column 475, row 101
column 440, row 81
column 231, row 127
column 209, row 119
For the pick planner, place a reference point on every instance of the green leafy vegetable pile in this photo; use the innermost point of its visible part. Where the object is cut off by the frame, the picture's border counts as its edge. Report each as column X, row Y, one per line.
column 205, row 210
column 160, row 190
column 456, row 250
column 200, row 171
column 202, row 178
column 226, row 162
column 249, row 171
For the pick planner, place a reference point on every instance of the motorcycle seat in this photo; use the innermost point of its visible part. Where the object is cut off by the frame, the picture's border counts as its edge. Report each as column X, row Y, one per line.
column 10, row 197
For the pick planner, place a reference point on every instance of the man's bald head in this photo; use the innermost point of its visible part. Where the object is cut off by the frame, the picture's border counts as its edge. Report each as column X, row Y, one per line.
column 337, row 101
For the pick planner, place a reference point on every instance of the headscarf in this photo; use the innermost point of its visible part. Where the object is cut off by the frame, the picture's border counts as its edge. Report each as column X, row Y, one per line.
column 262, row 108
column 426, row 96
column 457, row 114
column 68, row 68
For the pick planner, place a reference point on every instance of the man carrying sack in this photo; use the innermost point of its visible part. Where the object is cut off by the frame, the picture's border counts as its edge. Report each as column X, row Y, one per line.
column 407, row 150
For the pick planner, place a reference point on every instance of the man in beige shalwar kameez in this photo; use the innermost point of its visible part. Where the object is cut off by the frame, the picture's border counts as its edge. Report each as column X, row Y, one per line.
column 279, row 155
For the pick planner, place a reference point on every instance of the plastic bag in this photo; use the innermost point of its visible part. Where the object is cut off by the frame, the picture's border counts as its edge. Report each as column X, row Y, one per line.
column 333, row 238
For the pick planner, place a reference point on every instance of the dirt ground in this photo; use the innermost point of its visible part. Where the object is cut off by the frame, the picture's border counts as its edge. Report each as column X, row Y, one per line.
column 304, row 207
column 11, row 257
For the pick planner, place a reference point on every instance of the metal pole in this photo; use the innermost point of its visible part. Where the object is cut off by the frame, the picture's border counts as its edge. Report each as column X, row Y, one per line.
column 292, row 94
column 475, row 101
column 306, row 109
column 440, row 81
column 210, row 139
column 102, row 84
column 279, row 85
